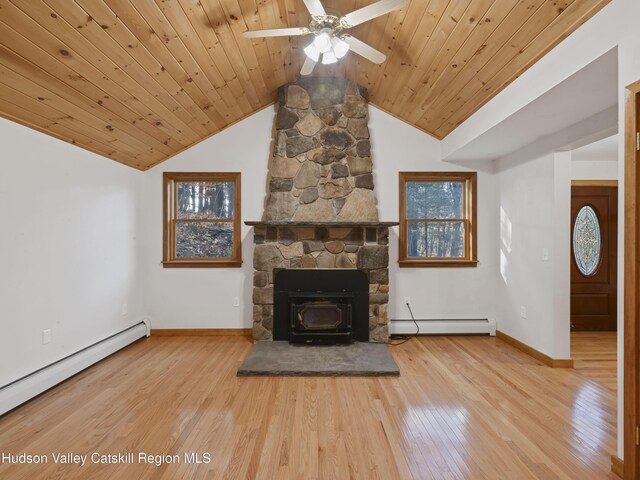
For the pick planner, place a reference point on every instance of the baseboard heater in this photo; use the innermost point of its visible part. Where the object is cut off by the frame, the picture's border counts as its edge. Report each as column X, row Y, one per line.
column 23, row 389
column 480, row 326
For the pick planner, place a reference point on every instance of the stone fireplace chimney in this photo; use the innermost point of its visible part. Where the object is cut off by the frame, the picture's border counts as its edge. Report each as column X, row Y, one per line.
column 320, row 208
column 321, row 167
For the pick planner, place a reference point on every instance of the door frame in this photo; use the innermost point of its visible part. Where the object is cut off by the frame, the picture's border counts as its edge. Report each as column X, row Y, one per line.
column 631, row 281
column 594, row 183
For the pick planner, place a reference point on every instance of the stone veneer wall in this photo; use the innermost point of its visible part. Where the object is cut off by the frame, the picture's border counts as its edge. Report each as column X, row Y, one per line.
column 365, row 248
column 320, row 168
column 320, row 171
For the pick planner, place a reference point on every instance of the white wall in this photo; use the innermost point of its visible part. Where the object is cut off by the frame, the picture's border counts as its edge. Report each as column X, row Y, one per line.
column 561, row 251
column 596, row 161
column 594, row 170
column 530, row 202
column 68, row 249
column 436, row 293
column 202, row 298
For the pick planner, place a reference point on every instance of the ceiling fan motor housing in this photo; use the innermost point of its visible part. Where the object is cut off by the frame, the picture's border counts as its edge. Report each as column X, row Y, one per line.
column 330, row 22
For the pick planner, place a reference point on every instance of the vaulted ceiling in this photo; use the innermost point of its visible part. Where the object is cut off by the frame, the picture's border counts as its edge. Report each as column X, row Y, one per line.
column 139, row 81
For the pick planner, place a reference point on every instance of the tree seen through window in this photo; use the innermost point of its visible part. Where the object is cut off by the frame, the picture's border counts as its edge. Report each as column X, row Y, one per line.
column 202, row 219
column 436, row 218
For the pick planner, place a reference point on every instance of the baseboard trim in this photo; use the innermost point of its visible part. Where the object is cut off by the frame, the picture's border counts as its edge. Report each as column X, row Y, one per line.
column 201, row 332
column 617, row 466
column 24, row 389
column 537, row 354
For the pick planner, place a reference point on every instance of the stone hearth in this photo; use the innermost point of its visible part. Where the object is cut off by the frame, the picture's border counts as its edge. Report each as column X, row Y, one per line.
column 283, row 359
column 320, row 208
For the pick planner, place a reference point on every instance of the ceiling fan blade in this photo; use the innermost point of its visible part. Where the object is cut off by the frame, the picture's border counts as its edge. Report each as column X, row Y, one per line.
column 307, row 66
column 364, row 50
column 277, row 32
column 315, row 7
column 372, row 11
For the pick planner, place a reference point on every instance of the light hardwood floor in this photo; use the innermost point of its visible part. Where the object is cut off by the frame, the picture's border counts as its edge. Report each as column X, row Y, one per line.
column 594, row 355
column 463, row 408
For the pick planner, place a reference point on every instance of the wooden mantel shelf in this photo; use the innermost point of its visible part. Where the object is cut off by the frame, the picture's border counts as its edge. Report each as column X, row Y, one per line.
column 259, row 223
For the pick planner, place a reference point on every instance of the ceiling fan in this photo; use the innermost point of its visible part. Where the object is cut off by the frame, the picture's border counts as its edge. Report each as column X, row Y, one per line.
column 331, row 41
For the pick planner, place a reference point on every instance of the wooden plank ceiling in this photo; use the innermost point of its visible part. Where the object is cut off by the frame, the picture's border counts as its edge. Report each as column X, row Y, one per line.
column 139, row 81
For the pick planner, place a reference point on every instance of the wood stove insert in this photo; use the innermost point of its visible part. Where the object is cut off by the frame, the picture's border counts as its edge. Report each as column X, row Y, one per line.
column 325, row 307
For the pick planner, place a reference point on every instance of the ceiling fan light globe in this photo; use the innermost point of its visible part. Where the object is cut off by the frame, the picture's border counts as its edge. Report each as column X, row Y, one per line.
column 312, row 52
column 329, row 58
column 340, row 48
column 322, row 42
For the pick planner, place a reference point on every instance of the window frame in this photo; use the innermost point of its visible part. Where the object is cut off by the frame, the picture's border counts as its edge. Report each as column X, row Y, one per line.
column 169, row 220
column 470, row 215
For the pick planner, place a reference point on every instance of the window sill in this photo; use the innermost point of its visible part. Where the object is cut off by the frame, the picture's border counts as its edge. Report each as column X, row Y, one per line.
column 202, row 264
column 438, row 263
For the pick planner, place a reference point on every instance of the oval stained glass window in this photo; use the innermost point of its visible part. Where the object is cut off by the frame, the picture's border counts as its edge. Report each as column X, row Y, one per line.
column 587, row 241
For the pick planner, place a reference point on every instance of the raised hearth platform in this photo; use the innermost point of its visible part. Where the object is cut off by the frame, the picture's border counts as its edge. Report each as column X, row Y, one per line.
column 283, row 359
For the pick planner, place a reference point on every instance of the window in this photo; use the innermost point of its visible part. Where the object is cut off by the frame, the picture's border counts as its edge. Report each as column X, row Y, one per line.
column 438, row 219
column 587, row 245
column 202, row 220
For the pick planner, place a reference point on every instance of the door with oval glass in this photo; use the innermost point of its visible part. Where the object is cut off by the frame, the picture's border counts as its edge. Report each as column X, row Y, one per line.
column 594, row 257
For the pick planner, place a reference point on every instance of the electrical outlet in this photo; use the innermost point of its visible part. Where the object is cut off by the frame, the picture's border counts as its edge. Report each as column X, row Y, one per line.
column 46, row 336
column 407, row 300
column 545, row 254
column 125, row 309
column 523, row 312
column 236, row 301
